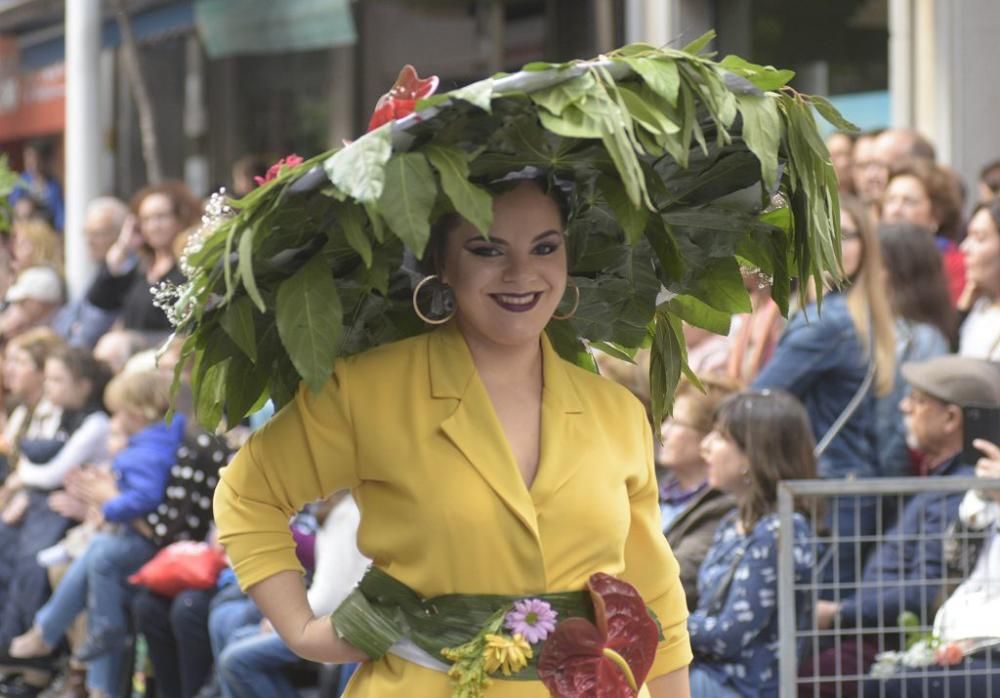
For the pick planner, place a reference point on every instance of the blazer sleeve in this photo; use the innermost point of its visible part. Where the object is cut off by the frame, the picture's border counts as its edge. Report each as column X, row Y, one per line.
column 304, row 453
column 650, row 565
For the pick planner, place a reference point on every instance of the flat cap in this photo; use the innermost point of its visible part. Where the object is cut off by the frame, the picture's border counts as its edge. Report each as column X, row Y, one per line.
column 957, row 380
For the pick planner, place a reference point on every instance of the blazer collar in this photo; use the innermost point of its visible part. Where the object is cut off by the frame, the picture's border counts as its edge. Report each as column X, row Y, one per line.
column 475, row 430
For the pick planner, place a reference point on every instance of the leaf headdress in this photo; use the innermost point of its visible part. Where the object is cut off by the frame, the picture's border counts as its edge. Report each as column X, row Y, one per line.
column 685, row 171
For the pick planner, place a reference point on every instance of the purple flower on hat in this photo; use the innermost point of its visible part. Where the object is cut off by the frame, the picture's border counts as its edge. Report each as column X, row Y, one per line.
column 532, row 618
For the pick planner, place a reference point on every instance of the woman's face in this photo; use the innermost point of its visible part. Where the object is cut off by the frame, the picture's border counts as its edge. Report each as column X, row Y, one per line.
column 727, row 464
column 62, row 388
column 158, row 221
column 851, row 244
column 507, row 287
column 20, row 374
column 981, row 249
column 906, row 201
column 680, row 439
column 22, row 249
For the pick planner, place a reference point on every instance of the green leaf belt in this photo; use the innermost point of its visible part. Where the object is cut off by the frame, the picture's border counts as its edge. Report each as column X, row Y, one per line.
column 383, row 610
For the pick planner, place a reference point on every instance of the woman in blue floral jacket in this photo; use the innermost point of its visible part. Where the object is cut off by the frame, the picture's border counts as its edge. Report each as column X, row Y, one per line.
column 758, row 440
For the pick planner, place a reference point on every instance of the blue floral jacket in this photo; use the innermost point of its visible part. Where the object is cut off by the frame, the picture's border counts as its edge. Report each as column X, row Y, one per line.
column 734, row 635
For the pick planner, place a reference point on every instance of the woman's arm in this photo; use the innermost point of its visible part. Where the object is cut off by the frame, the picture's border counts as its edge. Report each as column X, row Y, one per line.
column 86, row 445
column 673, row 685
column 282, row 600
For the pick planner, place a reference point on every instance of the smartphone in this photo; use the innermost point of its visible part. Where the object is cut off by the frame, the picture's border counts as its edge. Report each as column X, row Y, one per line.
column 979, row 423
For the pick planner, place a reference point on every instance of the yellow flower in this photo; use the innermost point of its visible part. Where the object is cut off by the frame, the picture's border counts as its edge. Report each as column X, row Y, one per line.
column 506, row 654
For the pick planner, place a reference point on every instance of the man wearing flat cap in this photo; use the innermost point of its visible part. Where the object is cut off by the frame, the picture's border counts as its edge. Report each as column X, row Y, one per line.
column 906, row 571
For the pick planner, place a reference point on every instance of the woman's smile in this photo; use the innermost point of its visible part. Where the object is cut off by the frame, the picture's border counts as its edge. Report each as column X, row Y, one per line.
column 517, row 302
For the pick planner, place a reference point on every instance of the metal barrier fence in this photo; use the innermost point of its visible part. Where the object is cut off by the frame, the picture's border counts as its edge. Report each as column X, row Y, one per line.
column 815, row 662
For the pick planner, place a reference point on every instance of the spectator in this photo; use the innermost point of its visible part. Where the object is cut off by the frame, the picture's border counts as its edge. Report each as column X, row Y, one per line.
column 35, row 244
column 897, row 144
column 828, row 360
column 921, row 193
column 97, row 580
column 980, row 334
column 754, row 335
column 967, row 618
column 80, row 322
column 906, row 571
column 870, row 174
column 37, row 182
column 708, row 352
column 989, row 182
column 757, row 440
column 117, row 347
column 841, row 147
column 926, row 326
column 691, row 510
column 145, row 255
column 74, row 435
column 244, row 171
column 33, row 301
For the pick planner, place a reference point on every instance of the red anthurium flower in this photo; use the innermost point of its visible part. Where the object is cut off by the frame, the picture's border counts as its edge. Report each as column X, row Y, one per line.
column 401, row 100
column 608, row 660
column 274, row 170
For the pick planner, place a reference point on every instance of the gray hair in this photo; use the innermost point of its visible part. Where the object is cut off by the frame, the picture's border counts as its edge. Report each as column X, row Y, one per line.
column 113, row 209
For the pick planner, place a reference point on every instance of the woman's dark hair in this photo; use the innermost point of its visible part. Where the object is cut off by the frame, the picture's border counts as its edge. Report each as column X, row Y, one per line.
column 919, row 290
column 772, row 429
column 941, row 189
column 82, row 365
column 434, row 254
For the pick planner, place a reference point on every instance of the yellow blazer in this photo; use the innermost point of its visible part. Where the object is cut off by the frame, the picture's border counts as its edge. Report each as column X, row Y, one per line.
column 411, row 430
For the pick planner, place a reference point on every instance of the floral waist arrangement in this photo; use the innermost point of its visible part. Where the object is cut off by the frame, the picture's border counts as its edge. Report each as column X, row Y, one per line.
column 598, row 641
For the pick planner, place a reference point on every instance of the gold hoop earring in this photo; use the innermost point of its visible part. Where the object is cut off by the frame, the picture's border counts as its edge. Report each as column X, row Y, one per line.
column 416, row 307
column 576, row 304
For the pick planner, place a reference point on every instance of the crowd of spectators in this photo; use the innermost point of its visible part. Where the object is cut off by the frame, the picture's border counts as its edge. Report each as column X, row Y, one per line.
column 105, row 502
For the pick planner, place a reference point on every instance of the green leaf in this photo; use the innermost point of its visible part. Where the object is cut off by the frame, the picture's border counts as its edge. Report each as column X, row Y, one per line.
column 473, row 203
column 308, row 316
column 409, row 199
column 245, row 266
column 615, row 351
column 695, row 47
column 375, row 218
column 358, row 169
column 765, row 78
column 632, row 218
column 762, row 133
column 644, row 111
column 574, row 122
column 210, row 397
column 695, row 312
column 237, row 321
column 557, row 98
column 352, row 223
column 664, row 365
column 244, row 393
column 720, row 286
column 832, row 115
column 478, row 94
column 662, row 241
column 660, row 74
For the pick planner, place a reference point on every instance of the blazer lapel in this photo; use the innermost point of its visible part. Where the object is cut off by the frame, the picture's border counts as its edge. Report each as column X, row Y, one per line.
column 563, row 433
column 473, row 427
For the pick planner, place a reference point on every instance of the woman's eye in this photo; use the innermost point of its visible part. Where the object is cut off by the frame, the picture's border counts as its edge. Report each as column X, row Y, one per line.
column 546, row 248
column 484, row 251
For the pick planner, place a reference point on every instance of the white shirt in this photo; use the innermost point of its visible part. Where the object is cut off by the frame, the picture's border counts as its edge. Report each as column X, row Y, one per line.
column 980, row 335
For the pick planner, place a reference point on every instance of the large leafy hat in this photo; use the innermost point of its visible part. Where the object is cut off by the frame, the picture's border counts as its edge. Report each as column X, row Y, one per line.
column 685, row 172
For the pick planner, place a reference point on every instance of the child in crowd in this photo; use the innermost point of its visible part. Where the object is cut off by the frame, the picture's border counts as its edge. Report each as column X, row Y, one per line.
column 97, row 581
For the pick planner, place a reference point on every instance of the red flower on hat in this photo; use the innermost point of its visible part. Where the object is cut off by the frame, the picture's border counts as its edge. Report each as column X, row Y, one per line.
column 274, row 170
column 401, row 100
column 608, row 660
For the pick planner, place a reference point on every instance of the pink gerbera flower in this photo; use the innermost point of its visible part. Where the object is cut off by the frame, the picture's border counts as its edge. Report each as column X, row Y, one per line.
column 532, row 618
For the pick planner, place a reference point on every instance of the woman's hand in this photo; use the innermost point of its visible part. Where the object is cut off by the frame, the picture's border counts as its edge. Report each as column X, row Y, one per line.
column 93, row 486
column 970, row 294
column 128, row 243
column 65, row 504
column 989, row 465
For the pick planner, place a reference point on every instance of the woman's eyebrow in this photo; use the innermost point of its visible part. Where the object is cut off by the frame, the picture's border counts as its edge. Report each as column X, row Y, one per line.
column 501, row 241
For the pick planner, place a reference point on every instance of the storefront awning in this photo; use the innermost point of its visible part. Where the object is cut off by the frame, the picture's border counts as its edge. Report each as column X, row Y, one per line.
column 237, row 27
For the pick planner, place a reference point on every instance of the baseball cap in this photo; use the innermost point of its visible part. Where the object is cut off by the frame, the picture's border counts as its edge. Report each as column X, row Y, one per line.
column 38, row 283
column 957, row 380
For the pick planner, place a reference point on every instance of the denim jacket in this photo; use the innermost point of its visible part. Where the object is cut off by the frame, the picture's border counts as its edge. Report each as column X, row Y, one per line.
column 819, row 359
